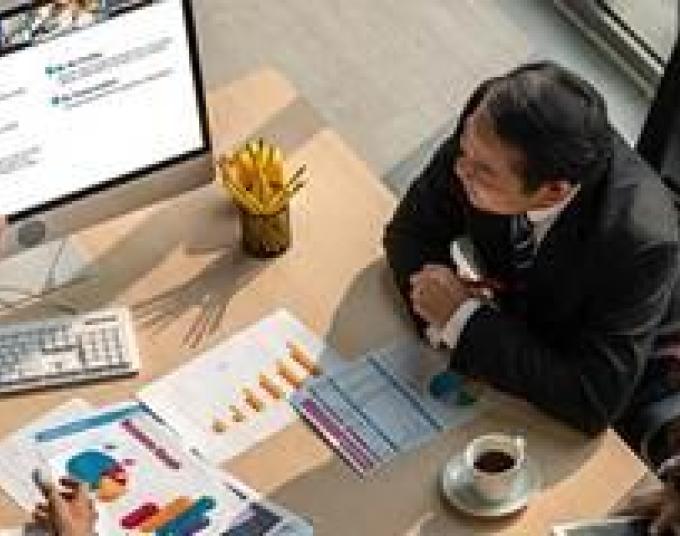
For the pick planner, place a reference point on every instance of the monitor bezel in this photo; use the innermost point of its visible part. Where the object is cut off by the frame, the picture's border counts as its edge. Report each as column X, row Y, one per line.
column 139, row 174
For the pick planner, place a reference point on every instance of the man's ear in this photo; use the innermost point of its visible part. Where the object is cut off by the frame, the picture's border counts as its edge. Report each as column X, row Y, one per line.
column 552, row 192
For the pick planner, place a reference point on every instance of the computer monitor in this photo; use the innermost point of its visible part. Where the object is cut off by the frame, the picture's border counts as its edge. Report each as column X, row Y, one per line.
column 101, row 111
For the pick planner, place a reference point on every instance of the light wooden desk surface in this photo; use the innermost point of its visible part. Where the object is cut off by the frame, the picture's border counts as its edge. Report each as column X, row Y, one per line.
column 178, row 265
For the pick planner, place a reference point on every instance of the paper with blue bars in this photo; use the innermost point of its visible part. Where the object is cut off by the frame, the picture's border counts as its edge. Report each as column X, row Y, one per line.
column 382, row 405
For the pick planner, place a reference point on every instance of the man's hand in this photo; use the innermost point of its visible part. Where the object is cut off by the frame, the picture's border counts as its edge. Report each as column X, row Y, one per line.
column 68, row 512
column 436, row 294
column 663, row 505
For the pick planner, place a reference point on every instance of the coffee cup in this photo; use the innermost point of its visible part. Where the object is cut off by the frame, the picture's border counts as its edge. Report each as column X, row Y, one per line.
column 496, row 464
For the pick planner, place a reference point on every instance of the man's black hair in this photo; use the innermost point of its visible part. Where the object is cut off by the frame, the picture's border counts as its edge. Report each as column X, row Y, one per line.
column 555, row 118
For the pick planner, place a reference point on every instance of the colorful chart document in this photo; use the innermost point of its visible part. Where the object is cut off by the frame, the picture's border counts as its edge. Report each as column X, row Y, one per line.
column 142, row 481
column 235, row 395
column 381, row 406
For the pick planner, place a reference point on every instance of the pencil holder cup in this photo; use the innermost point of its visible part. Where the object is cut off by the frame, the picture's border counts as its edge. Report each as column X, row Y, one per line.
column 253, row 176
column 265, row 235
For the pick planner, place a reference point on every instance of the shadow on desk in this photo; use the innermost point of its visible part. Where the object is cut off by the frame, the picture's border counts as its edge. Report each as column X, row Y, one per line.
column 371, row 313
column 175, row 229
column 200, row 225
column 403, row 497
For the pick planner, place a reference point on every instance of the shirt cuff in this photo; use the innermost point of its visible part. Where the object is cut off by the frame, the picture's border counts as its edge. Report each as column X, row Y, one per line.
column 453, row 329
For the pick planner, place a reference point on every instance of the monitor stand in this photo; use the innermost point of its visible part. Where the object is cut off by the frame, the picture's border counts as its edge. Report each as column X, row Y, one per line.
column 34, row 275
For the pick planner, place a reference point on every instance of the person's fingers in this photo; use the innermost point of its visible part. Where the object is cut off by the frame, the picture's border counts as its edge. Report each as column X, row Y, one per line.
column 670, row 472
column 50, row 491
column 41, row 517
column 429, row 271
column 644, row 505
column 68, row 496
column 69, row 483
column 416, row 294
column 436, row 268
column 669, row 466
column 666, row 520
column 39, row 480
column 415, row 277
column 417, row 306
column 422, row 288
column 57, row 503
column 436, row 272
column 82, row 495
column 42, row 507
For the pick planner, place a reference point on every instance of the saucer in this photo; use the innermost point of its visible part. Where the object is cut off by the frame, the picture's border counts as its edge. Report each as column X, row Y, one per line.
column 457, row 488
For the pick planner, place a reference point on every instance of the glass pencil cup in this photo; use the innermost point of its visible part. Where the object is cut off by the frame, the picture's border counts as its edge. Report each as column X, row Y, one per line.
column 265, row 235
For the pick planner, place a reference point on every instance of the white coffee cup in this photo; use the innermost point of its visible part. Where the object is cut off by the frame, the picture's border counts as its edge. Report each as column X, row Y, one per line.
column 496, row 463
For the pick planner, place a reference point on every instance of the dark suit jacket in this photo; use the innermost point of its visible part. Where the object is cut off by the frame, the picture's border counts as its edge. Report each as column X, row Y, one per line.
column 602, row 296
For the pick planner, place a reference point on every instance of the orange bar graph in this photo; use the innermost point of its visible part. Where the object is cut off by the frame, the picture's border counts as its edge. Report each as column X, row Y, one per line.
column 253, row 400
column 270, row 387
column 302, row 358
column 219, row 426
column 166, row 514
column 287, row 374
column 237, row 414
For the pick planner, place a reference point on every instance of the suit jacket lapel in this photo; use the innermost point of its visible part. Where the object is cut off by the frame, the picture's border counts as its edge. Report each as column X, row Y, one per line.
column 561, row 254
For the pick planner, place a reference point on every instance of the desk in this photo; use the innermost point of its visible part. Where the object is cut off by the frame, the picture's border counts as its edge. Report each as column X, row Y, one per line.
column 179, row 266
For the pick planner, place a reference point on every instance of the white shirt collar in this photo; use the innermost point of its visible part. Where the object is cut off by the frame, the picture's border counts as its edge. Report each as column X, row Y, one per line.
column 551, row 213
column 544, row 218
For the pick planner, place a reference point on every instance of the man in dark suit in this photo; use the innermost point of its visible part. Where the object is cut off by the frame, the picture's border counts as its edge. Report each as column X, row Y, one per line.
column 578, row 243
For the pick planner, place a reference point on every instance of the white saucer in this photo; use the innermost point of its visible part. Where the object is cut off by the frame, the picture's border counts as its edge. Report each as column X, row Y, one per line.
column 458, row 490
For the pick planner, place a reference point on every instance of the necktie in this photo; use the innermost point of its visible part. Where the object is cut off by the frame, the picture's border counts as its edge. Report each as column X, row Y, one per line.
column 523, row 246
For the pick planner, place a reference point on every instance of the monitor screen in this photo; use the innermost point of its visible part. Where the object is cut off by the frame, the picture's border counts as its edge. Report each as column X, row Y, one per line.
column 94, row 93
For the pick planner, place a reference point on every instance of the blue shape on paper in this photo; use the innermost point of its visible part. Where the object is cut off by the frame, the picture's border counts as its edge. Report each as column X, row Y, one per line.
column 188, row 519
column 87, row 423
column 89, row 466
column 445, row 384
column 196, row 527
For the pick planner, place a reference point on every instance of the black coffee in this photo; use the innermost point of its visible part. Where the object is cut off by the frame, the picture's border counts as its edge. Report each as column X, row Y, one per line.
column 494, row 461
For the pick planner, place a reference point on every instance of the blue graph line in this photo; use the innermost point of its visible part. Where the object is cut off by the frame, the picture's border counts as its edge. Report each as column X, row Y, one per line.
column 88, row 423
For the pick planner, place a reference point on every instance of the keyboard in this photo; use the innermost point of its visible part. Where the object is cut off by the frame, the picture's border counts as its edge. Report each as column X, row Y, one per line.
column 75, row 349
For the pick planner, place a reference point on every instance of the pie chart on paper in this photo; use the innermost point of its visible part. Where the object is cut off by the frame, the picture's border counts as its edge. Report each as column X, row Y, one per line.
column 102, row 472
